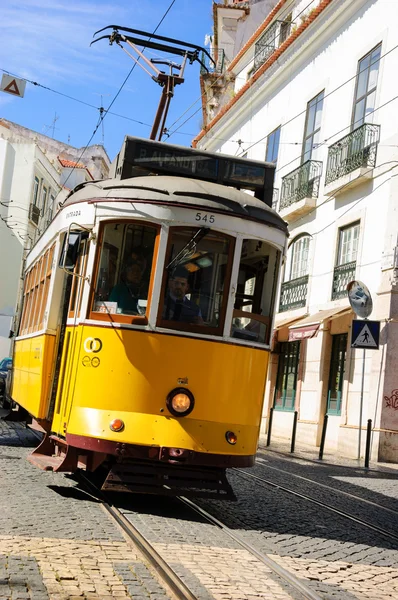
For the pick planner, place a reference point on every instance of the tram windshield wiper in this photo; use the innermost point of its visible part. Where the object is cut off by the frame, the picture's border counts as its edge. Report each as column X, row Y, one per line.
column 189, row 249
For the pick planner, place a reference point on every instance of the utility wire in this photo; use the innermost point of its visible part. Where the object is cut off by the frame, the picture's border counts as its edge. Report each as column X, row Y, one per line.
column 292, row 118
column 222, row 74
column 104, row 112
column 45, row 87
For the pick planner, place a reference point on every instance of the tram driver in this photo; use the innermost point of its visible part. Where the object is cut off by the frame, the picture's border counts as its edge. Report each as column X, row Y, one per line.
column 177, row 306
column 130, row 288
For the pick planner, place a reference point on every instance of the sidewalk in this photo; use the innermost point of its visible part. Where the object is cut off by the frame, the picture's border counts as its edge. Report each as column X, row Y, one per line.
column 310, row 453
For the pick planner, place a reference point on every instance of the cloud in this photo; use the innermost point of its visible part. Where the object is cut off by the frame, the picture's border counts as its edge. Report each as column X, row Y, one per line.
column 51, row 40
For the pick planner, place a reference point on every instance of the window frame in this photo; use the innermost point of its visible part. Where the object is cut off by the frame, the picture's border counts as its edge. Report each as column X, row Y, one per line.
column 120, row 318
column 356, row 124
column 306, row 135
column 36, row 188
column 340, row 241
column 337, row 346
column 189, row 327
column 272, row 133
column 292, row 247
column 281, row 374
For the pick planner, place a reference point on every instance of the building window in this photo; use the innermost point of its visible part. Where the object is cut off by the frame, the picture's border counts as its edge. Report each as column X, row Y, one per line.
column 299, row 257
column 44, row 195
column 348, row 244
column 286, row 381
column 271, row 154
column 312, row 126
column 365, row 89
column 336, row 374
column 344, row 271
column 36, row 191
column 285, row 28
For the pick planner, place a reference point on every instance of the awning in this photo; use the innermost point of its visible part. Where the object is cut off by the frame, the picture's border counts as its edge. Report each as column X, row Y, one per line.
column 288, row 321
column 303, row 333
column 308, row 327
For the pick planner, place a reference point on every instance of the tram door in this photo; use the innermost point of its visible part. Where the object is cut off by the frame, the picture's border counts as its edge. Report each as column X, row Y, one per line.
column 70, row 333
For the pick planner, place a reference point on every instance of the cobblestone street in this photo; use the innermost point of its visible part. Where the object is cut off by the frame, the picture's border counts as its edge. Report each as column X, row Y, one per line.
column 58, row 543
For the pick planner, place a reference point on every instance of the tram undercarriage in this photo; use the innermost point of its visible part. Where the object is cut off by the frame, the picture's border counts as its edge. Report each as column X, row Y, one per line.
column 137, row 469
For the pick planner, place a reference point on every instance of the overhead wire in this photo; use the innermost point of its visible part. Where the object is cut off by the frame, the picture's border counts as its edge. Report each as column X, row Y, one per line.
column 292, row 118
column 244, row 66
column 104, row 112
column 47, row 88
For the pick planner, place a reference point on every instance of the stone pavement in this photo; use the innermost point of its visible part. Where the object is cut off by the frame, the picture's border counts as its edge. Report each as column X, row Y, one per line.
column 57, row 542
column 309, row 453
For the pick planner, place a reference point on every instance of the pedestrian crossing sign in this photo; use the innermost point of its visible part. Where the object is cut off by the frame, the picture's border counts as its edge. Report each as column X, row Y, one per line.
column 365, row 334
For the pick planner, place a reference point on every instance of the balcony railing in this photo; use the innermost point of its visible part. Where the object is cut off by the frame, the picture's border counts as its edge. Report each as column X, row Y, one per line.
column 355, row 150
column 271, row 39
column 293, row 294
column 275, row 198
column 207, row 66
column 301, row 183
column 342, row 276
column 34, row 213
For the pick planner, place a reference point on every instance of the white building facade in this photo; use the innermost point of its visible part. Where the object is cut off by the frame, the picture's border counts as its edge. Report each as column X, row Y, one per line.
column 314, row 90
column 35, row 173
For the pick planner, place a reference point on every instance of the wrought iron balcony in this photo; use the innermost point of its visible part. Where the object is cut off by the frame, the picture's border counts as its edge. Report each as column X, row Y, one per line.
column 207, row 66
column 301, row 183
column 342, row 276
column 293, row 294
column 353, row 151
column 271, row 39
column 34, row 213
column 275, row 198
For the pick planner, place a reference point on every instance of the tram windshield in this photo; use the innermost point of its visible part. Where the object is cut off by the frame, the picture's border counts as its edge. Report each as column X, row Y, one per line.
column 124, row 269
column 195, row 280
column 255, row 294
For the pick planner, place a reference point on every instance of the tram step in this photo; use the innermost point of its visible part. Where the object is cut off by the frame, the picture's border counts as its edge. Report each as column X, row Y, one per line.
column 166, row 480
column 48, row 455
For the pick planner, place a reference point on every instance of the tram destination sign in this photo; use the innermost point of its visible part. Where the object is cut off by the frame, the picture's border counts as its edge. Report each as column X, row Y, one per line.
column 143, row 157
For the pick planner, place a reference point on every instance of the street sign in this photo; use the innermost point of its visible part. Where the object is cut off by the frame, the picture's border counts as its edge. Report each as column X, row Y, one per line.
column 360, row 299
column 365, row 334
column 13, row 85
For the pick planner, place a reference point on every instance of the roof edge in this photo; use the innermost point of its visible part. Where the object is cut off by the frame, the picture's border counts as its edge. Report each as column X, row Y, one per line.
column 268, row 63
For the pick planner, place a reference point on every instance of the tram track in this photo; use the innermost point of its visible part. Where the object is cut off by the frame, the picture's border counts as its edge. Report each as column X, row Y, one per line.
column 167, row 574
column 162, row 568
column 324, row 486
column 284, row 574
column 324, row 505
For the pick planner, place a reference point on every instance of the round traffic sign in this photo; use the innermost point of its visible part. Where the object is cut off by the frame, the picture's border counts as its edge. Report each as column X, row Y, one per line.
column 360, row 299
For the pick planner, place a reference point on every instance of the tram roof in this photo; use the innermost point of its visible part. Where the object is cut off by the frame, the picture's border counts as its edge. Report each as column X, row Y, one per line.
column 164, row 189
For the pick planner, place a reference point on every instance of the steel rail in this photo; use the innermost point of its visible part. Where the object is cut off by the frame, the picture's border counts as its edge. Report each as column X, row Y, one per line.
column 319, row 503
column 283, row 573
column 166, row 573
column 348, row 494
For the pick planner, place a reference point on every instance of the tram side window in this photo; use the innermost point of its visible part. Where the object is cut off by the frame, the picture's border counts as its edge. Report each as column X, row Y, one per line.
column 255, row 292
column 35, row 294
column 124, row 270
column 197, row 269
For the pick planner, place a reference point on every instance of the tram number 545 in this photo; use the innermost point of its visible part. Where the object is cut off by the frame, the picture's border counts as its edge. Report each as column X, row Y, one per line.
column 206, row 218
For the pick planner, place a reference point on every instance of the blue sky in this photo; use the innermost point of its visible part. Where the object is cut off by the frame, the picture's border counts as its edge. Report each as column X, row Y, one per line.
column 48, row 41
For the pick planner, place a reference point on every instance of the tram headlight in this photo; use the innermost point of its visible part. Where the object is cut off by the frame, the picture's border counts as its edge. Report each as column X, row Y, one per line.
column 116, row 425
column 180, row 402
column 231, row 437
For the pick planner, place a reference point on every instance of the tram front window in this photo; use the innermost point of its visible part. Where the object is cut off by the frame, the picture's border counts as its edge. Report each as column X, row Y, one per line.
column 255, row 294
column 195, row 280
column 124, row 270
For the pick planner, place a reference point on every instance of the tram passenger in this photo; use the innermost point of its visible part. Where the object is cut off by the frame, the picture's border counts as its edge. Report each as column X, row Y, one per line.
column 130, row 288
column 177, row 306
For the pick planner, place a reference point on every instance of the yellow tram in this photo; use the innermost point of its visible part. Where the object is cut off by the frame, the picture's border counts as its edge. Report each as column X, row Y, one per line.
column 144, row 334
